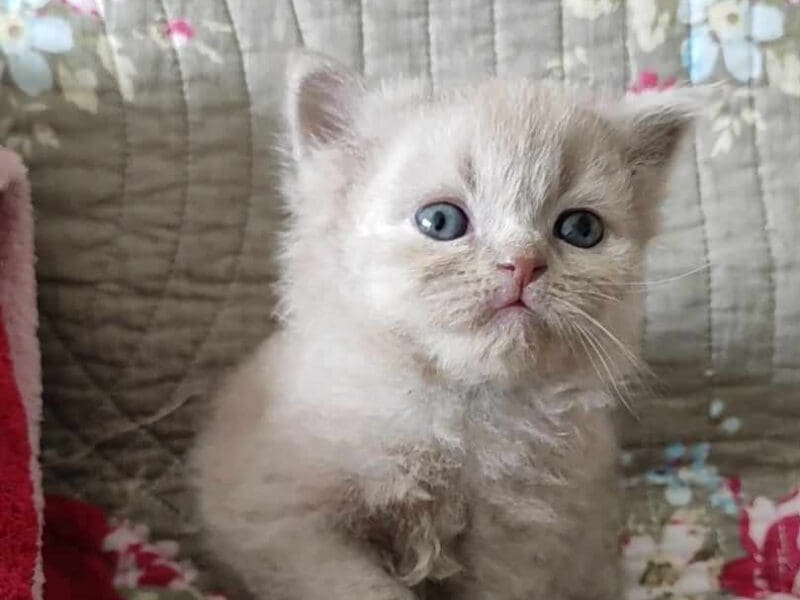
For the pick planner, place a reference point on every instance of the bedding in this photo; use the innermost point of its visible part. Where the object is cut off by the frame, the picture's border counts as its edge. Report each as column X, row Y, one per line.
column 150, row 126
column 20, row 390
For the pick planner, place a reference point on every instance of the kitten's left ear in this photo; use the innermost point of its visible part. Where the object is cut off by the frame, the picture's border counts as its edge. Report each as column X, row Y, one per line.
column 655, row 124
column 323, row 97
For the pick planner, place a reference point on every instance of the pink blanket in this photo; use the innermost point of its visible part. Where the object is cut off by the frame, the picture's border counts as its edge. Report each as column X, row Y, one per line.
column 20, row 391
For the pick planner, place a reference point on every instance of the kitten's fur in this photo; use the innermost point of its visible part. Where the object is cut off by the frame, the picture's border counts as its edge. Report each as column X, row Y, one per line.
column 395, row 440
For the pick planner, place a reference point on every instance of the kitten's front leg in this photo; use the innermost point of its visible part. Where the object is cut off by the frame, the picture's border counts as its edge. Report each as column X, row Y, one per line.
column 543, row 581
column 571, row 558
column 294, row 557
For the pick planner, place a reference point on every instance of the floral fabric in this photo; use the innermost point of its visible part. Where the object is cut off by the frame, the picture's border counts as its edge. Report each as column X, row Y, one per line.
column 59, row 51
column 121, row 107
column 682, row 546
column 43, row 45
column 678, row 549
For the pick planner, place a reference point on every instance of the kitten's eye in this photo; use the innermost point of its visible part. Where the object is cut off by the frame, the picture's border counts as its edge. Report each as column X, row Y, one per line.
column 580, row 228
column 442, row 221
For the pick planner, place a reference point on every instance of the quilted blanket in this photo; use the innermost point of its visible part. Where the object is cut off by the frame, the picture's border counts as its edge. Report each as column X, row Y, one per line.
column 149, row 126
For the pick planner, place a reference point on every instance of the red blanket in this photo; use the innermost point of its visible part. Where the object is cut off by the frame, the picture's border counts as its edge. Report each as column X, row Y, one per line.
column 19, row 522
column 20, row 396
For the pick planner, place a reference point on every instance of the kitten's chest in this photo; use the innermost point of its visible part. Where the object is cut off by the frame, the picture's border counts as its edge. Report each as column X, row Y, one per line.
column 413, row 515
column 488, row 437
column 516, row 467
column 537, row 446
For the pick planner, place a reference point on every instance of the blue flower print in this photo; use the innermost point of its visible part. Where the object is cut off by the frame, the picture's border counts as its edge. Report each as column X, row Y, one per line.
column 685, row 469
column 24, row 35
column 731, row 27
column 674, row 452
column 725, row 500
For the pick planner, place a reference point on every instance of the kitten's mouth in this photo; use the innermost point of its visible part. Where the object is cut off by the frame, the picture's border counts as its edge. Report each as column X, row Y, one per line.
column 514, row 296
column 514, row 307
column 515, row 304
column 509, row 298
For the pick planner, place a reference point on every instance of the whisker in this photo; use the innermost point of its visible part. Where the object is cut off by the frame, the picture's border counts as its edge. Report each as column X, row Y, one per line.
column 633, row 358
column 580, row 334
column 561, row 330
column 622, row 394
column 642, row 373
column 600, row 295
column 661, row 281
column 627, row 352
column 584, row 337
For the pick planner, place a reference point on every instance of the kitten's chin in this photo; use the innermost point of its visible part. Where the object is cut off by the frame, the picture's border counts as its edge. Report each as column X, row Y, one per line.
column 508, row 350
column 517, row 314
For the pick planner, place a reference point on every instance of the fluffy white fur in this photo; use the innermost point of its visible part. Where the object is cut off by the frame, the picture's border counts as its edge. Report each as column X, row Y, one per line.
column 398, row 439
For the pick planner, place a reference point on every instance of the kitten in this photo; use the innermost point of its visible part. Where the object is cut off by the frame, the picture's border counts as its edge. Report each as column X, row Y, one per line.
column 432, row 419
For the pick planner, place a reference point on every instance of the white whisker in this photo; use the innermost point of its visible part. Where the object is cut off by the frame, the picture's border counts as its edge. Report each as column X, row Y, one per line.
column 633, row 358
column 640, row 369
column 662, row 281
column 592, row 351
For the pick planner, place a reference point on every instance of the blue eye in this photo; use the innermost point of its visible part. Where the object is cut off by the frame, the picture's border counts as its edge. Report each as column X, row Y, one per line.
column 580, row 228
column 442, row 221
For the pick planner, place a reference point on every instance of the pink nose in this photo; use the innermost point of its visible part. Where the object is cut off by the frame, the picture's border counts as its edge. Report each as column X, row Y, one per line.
column 524, row 270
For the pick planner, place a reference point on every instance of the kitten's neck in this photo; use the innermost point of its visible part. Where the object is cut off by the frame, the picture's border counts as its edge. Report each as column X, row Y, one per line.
column 347, row 350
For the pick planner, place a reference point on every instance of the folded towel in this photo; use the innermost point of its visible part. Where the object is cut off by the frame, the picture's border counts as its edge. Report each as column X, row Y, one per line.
column 20, row 391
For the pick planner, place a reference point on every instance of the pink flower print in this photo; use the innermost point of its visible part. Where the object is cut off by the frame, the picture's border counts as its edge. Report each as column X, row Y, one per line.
column 92, row 8
column 769, row 533
column 140, row 562
column 179, row 31
column 649, row 81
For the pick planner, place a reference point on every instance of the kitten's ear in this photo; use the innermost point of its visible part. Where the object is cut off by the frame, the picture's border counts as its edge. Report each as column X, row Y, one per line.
column 656, row 123
column 322, row 99
column 653, row 126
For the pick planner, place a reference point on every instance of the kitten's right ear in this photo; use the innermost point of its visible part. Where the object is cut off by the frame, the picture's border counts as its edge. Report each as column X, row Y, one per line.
column 323, row 97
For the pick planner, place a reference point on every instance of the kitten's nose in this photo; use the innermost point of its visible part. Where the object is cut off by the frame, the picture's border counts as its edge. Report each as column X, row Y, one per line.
column 524, row 269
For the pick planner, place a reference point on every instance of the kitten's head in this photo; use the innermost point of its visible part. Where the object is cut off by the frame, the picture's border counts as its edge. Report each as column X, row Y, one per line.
column 495, row 229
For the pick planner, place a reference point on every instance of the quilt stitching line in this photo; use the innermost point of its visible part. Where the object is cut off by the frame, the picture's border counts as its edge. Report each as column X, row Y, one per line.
column 296, row 22
column 762, row 202
column 626, row 51
column 707, row 255
column 706, row 247
column 147, row 485
column 429, row 43
column 706, row 242
column 159, row 306
column 122, row 194
column 131, row 426
column 561, row 41
column 361, row 42
column 767, row 243
column 493, row 29
column 106, row 397
column 74, row 431
column 243, row 228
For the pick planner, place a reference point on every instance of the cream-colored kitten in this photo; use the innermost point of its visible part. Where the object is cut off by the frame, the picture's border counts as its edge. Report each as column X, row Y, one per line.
column 432, row 420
